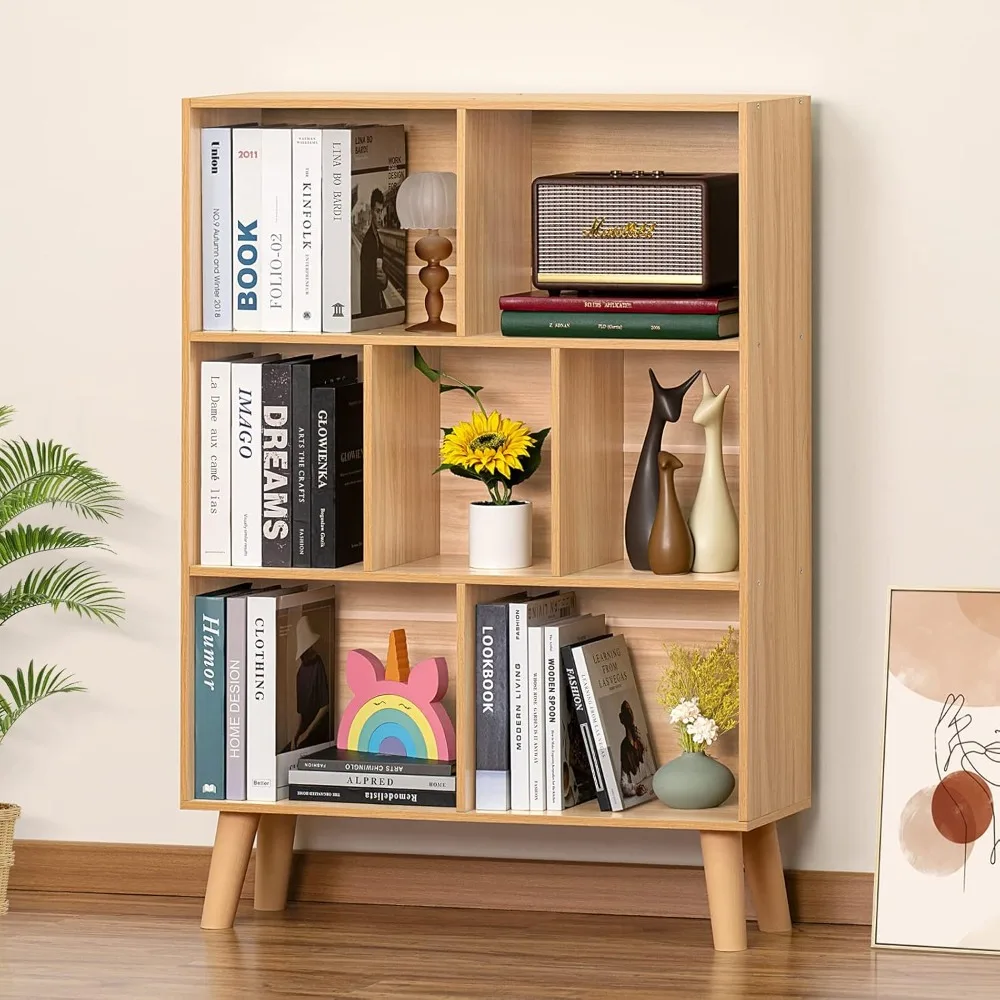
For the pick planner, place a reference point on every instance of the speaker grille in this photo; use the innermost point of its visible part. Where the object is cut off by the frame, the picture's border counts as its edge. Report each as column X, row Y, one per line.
column 566, row 211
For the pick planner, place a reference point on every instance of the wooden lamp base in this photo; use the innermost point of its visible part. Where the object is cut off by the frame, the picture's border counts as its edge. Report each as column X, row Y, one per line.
column 433, row 249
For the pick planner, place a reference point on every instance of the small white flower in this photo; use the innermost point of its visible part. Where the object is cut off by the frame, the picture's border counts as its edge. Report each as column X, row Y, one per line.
column 703, row 730
column 686, row 711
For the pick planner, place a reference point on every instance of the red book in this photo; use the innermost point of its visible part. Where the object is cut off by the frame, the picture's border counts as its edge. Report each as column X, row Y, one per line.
column 542, row 302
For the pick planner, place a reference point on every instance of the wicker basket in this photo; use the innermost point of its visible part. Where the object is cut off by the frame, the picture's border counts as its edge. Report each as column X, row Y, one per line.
column 8, row 817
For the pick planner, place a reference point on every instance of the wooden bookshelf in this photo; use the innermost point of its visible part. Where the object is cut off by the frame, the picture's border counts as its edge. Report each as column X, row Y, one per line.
column 595, row 396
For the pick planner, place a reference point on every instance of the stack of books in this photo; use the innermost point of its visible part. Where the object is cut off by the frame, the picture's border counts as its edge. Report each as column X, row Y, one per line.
column 559, row 719
column 282, row 462
column 538, row 314
column 299, row 228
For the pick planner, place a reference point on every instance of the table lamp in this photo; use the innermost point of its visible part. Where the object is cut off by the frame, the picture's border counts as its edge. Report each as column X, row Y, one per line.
column 426, row 200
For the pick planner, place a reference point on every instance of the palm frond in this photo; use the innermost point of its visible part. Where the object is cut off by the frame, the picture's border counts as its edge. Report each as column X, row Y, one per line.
column 27, row 689
column 50, row 473
column 27, row 540
column 77, row 587
column 6, row 415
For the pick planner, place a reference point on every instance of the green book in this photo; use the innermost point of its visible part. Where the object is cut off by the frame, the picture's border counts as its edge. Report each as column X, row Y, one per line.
column 643, row 326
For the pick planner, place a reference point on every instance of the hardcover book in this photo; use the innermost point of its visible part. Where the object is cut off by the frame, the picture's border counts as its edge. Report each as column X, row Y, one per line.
column 618, row 723
column 590, row 773
column 290, row 638
column 335, row 758
column 373, row 796
column 307, row 202
column 246, row 228
column 640, row 326
column 493, row 705
column 357, row 779
column 276, row 229
column 236, row 680
column 543, row 302
column 364, row 247
column 217, row 229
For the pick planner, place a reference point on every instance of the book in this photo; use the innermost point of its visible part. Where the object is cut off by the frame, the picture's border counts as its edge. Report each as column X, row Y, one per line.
column 335, row 758
column 649, row 326
column 216, row 462
column 358, row 779
column 364, row 247
column 617, row 721
column 216, row 229
column 521, row 616
column 337, row 501
column 543, row 302
column 246, row 380
column 276, row 229
column 493, row 705
column 236, row 680
column 373, row 796
column 210, row 693
column 290, row 642
column 307, row 215
column 246, row 228
column 536, row 718
column 567, row 774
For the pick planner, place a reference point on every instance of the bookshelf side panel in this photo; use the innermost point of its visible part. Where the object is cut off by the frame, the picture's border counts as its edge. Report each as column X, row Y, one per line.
column 775, row 456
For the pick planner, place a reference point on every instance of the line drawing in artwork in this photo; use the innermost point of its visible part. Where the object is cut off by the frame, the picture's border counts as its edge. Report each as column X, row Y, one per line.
column 963, row 805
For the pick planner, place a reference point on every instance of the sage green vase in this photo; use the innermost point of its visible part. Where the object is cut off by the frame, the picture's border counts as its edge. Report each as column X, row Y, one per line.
column 693, row 781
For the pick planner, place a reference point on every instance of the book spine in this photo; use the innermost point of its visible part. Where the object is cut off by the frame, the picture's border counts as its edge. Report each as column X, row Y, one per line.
column 580, row 709
column 336, row 147
column 577, row 304
column 347, row 779
column 217, row 228
column 372, row 796
column 324, row 402
column 349, row 475
column 236, row 679
column 614, row 793
column 209, row 698
column 275, row 454
column 246, row 229
column 637, row 325
column 536, row 718
column 216, row 485
column 246, row 465
column 262, row 784
column 553, row 723
column 520, row 797
column 300, row 443
column 276, row 229
column 307, row 217
column 408, row 769
column 492, row 709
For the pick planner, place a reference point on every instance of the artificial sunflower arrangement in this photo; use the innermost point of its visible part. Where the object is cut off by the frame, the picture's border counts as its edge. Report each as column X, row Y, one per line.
column 501, row 453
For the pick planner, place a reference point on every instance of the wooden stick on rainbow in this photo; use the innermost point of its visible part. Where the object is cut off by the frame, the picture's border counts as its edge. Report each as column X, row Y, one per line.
column 402, row 716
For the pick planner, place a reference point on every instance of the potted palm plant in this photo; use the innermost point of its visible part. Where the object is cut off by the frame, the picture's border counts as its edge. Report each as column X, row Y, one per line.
column 35, row 475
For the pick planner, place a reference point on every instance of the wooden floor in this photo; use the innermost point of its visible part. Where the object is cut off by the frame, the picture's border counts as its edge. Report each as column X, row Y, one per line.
column 132, row 948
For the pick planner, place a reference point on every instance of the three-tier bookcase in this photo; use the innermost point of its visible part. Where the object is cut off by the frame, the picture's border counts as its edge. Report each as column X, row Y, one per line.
column 595, row 395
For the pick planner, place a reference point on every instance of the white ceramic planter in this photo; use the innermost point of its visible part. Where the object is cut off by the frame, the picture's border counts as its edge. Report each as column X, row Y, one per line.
column 500, row 536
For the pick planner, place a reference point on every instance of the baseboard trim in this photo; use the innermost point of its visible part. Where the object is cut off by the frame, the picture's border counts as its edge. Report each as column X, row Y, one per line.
column 420, row 880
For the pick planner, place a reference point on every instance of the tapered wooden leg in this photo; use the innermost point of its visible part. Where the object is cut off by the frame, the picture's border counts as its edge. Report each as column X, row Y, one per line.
column 230, row 857
column 722, row 854
column 273, row 868
column 766, row 879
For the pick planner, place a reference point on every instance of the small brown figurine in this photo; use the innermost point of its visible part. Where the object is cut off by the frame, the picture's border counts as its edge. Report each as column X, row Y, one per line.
column 671, row 549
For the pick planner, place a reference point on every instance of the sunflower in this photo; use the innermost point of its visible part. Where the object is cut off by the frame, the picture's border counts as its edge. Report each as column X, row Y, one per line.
column 492, row 444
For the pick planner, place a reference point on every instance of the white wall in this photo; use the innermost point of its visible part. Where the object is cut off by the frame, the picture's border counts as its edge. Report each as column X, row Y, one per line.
column 906, row 258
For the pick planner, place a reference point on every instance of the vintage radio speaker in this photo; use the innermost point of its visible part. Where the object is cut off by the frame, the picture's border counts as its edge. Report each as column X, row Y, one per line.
column 635, row 230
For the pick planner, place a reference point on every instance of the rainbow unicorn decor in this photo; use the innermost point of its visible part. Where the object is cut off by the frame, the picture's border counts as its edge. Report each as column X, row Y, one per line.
column 397, row 709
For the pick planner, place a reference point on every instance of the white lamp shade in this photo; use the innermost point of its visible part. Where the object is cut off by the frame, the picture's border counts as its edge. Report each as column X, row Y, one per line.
column 427, row 201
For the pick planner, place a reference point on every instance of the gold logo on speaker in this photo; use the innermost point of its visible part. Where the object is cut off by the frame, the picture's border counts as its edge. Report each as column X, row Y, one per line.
column 628, row 231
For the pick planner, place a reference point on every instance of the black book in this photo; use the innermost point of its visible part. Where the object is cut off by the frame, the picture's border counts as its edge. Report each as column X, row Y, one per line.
column 575, row 704
column 322, row 371
column 336, row 759
column 372, row 796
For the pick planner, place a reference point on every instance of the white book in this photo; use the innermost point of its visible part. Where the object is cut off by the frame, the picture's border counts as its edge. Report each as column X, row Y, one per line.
column 521, row 616
column 597, row 731
column 216, row 463
column 216, row 229
column 536, row 718
column 337, row 145
column 274, row 640
column 559, row 716
column 276, row 230
column 307, row 220
column 246, row 229
column 245, row 456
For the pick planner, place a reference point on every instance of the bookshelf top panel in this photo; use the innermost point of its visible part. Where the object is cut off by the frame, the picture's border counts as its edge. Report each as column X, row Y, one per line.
column 490, row 102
